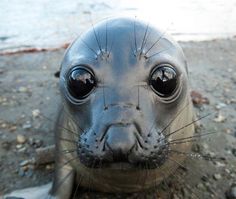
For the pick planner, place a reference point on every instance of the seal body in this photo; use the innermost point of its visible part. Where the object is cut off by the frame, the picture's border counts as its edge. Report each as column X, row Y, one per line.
column 125, row 109
column 126, row 123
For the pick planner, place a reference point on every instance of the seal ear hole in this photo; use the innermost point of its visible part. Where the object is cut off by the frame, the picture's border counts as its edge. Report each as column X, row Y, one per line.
column 80, row 82
column 57, row 74
column 163, row 80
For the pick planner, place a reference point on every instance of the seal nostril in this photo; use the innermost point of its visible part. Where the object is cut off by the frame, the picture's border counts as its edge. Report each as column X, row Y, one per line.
column 105, row 108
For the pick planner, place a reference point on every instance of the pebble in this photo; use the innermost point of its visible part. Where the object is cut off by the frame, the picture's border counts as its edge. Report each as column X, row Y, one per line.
column 3, row 125
column 175, row 196
column 3, row 99
column 24, row 163
column 19, row 146
column 204, row 178
column 12, row 128
column 217, row 176
column 21, row 172
column 22, row 150
column 219, row 118
column 232, row 101
column 27, row 125
column 231, row 193
column 49, row 166
column 228, row 130
column 22, row 89
column 196, row 148
column 200, row 186
column 219, row 164
column 198, row 99
column 220, row 106
column 35, row 113
column 6, row 145
column 184, row 192
column 234, row 151
column 29, row 173
column 21, row 139
column 36, row 143
column 24, row 168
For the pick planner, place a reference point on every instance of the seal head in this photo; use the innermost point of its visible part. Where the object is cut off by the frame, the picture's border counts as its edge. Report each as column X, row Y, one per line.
column 125, row 91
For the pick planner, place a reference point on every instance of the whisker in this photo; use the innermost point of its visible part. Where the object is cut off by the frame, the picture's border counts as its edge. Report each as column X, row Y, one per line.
column 181, row 165
column 112, row 43
column 97, row 39
column 166, row 184
column 60, row 126
column 64, row 110
column 66, row 151
column 170, row 122
column 77, row 187
column 173, row 119
column 143, row 41
column 195, row 155
column 159, row 52
column 185, row 126
column 138, row 176
column 194, row 136
column 132, row 48
column 60, row 183
column 162, row 35
column 106, row 39
column 65, row 163
column 89, row 47
column 183, row 142
column 191, row 191
column 135, row 36
column 67, row 140
column 104, row 98
column 138, row 107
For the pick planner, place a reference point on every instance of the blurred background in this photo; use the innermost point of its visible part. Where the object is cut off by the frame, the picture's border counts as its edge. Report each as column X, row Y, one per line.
column 45, row 24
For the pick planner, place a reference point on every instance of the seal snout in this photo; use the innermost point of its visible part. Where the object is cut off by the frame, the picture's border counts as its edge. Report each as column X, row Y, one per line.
column 123, row 143
column 120, row 140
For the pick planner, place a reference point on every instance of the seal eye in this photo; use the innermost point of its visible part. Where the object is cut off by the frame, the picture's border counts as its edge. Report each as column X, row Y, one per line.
column 81, row 82
column 163, row 80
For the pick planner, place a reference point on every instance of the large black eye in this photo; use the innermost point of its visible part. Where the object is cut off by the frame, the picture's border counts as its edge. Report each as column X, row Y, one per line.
column 163, row 80
column 80, row 83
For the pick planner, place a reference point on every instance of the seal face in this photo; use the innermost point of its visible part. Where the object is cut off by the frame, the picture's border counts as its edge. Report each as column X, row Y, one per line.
column 125, row 92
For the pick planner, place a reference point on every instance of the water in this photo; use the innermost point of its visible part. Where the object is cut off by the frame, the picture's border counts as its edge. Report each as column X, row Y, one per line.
column 49, row 24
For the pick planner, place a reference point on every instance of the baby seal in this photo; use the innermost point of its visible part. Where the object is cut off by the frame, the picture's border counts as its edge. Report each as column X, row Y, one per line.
column 126, row 108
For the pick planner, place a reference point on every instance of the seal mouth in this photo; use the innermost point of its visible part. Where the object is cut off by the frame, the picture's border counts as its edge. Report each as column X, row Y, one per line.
column 140, row 160
column 122, row 147
column 119, row 166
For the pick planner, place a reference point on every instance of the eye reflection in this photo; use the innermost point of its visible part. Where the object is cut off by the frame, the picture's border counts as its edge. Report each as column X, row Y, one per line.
column 80, row 83
column 163, row 80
